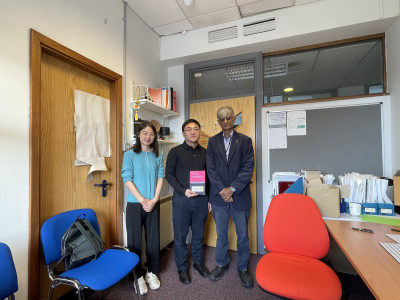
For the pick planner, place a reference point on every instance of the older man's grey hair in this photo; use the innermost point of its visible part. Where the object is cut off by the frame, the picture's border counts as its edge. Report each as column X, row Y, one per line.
column 225, row 111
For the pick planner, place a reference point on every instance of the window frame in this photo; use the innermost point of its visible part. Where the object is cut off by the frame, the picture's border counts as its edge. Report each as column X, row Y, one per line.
column 326, row 45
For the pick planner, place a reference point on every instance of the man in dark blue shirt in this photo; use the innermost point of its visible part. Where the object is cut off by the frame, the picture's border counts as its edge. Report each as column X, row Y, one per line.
column 190, row 209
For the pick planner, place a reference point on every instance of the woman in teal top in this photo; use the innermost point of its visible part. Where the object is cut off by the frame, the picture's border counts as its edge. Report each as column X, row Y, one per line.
column 143, row 173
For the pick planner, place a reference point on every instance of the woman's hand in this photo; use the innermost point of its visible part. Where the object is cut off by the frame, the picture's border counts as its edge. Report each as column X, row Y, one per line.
column 149, row 205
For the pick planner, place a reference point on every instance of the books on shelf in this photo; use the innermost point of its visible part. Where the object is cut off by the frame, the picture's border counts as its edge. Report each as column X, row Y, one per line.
column 174, row 101
column 155, row 95
column 164, row 97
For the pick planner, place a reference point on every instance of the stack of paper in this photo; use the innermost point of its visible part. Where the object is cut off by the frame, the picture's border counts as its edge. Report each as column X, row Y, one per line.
column 366, row 188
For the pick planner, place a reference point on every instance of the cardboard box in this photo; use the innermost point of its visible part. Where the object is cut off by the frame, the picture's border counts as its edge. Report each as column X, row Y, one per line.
column 396, row 187
column 327, row 197
column 312, row 176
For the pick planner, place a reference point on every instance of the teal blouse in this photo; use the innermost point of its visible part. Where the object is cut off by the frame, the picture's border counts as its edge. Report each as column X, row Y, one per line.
column 143, row 169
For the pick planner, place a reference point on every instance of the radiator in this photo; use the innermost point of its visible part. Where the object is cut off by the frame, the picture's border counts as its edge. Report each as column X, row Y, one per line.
column 166, row 228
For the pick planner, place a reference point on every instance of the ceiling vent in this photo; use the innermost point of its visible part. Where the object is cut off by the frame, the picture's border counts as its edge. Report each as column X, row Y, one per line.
column 259, row 27
column 222, row 34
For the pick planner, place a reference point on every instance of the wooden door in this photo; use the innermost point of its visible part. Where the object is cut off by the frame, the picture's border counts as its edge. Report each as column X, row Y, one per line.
column 206, row 114
column 61, row 185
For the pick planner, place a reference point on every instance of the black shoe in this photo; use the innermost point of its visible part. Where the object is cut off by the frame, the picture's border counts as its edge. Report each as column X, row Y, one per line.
column 184, row 277
column 202, row 269
column 246, row 279
column 218, row 272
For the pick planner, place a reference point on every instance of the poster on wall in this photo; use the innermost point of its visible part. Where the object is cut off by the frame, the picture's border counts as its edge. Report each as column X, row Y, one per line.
column 277, row 137
column 296, row 123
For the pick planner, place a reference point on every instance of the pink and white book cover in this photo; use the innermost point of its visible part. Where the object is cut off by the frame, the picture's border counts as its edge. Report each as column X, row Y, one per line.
column 198, row 182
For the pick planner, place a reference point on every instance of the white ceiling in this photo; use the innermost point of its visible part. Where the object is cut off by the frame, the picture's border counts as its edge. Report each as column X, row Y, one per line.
column 168, row 17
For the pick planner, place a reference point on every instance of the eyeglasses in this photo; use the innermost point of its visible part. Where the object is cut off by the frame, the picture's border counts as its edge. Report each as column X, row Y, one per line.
column 227, row 119
column 144, row 133
column 195, row 129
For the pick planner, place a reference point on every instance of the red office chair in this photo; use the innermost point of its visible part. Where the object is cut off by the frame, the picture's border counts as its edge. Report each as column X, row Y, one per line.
column 296, row 238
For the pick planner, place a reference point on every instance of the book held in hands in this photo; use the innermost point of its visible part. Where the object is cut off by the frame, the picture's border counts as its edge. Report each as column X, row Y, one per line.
column 198, row 182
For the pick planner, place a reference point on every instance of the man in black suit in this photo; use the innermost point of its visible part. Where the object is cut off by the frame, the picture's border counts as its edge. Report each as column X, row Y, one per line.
column 230, row 164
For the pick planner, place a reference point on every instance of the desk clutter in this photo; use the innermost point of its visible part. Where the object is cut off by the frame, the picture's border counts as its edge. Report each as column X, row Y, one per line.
column 356, row 194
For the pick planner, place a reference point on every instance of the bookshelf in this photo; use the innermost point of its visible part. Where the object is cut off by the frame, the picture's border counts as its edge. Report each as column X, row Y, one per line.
column 163, row 112
column 149, row 105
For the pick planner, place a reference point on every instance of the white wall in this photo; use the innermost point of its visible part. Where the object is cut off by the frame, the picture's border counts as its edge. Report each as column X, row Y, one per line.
column 143, row 54
column 143, row 65
column 93, row 28
column 176, row 80
column 393, row 75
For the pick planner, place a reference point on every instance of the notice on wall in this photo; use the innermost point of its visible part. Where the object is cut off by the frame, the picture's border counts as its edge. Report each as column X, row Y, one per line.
column 296, row 123
column 277, row 138
column 277, row 118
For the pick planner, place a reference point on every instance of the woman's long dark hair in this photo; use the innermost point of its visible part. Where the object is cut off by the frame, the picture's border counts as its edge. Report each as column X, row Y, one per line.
column 138, row 146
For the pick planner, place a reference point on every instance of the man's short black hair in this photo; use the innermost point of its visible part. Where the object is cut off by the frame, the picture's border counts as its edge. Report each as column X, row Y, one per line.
column 189, row 121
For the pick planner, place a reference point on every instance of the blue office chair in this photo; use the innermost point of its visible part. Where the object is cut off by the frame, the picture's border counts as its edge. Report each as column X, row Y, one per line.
column 100, row 274
column 8, row 274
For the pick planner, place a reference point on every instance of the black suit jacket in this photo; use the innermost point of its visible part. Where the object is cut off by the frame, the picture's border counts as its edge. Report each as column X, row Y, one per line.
column 236, row 171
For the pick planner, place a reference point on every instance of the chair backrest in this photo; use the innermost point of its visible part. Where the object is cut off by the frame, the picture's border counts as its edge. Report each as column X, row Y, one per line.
column 54, row 228
column 8, row 273
column 294, row 225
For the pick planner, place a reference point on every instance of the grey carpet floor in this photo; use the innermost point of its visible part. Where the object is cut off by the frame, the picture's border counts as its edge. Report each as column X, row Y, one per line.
column 229, row 287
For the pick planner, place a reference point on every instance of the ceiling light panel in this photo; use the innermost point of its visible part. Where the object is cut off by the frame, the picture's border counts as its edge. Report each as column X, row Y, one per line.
column 165, row 12
column 202, row 7
column 219, row 17
column 263, row 6
column 296, row 62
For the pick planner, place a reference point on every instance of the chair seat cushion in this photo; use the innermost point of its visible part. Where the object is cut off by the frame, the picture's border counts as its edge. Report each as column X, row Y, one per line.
column 297, row 277
column 106, row 270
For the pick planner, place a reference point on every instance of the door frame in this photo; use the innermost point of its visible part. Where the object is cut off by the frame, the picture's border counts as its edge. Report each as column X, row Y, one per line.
column 257, row 59
column 41, row 44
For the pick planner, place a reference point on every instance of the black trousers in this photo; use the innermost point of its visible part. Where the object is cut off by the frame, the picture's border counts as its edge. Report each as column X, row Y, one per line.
column 188, row 212
column 136, row 218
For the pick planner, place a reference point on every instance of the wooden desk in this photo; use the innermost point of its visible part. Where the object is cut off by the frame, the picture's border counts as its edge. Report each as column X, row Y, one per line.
column 379, row 270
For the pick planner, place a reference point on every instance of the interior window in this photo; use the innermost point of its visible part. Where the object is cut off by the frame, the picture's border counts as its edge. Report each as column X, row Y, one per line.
column 336, row 71
column 229, row 81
